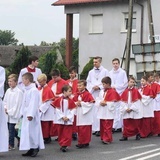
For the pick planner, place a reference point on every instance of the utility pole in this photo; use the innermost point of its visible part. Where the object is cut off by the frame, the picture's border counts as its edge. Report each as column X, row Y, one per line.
column 129, row 36
column 151, row 31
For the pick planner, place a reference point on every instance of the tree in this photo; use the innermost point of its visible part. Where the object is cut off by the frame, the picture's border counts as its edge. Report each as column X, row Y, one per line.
column 86, row 69
column 47, row 61
column 7, row 38
column 21, row 60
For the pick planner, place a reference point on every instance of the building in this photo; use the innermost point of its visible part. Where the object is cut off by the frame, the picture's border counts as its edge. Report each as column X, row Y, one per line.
column 103, row 27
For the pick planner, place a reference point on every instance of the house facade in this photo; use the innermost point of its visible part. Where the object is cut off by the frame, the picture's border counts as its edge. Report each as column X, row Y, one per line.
column 103, row 28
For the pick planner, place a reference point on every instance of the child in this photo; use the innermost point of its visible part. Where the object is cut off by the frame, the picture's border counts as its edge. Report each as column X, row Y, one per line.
column 107, row 102
column 12, row 104
column 156, row 104
column 84, row 102
column 131, row 111
column 157, row 78
column 31, row 134
column 3, row 120
column 73, row 81
column 56, row 85
column 46, row 110
column 147, row 108
column 64, row 117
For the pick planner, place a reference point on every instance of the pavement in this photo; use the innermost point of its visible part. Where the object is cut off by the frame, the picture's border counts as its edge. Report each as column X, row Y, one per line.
column 148, row 148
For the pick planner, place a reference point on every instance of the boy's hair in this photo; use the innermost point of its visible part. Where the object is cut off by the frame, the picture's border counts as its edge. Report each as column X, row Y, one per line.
column 66, row 88
column 149, row 74
column 72, row 68
column 13, row 76
column 42, row 77
column 98, row 58
column 55, row 72
column 106, row 80
column 84, row 82
column 32, row 58
column 156, row 75
column 144, row 77
column 131, row 78
column 116, row 59
column 28, row 76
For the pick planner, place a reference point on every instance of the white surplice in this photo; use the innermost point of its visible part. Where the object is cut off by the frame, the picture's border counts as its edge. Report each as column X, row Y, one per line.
column 12, row 102
column 94, row 79
column 31, row 133
column 35, row 76
column 119, row 82
column 3, row 118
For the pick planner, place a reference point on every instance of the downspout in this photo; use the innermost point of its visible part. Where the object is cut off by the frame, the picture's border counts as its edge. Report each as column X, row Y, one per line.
column 142, row 20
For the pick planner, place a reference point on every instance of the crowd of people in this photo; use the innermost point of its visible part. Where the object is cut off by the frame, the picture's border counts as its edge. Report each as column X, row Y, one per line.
column 34, row 110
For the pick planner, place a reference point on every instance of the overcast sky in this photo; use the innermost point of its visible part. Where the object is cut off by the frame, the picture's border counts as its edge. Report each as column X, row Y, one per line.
column 34, row 21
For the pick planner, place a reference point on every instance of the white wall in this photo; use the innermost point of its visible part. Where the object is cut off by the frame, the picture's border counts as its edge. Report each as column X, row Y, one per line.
column 111, row 43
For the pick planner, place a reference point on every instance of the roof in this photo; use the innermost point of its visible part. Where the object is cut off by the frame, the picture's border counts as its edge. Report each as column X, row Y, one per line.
column 71, row 2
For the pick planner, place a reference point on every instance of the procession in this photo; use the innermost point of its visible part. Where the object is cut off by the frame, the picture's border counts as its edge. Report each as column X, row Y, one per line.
column 34, row 111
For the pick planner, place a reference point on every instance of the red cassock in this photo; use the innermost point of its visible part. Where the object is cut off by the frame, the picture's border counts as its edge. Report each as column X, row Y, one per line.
column 73, row 85
column 106, row 124
column 84, row 131
column 156, row 120
column 60, row 84
column 131, row 127
column 146, row 122
column 47, row 95
column 64, row 131
column 58, row 91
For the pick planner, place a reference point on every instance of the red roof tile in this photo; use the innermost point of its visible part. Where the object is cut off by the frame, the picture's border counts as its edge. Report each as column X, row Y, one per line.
column 68, row 2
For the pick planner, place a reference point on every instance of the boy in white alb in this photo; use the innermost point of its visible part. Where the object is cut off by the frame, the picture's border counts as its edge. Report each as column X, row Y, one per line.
column 31, row 133
column 3, row 119
column 12, row 104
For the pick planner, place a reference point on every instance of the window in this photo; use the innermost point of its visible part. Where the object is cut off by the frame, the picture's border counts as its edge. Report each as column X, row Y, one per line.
column 125, row 22
column 96, row 23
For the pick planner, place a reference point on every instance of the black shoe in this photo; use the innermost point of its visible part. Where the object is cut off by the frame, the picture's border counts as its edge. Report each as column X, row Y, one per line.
column 29, row 153
column 113, row 130
column 35, row 152
column 86, row 145
column 123, row 139
column 56, row 139
column 94, row 133
column 158, row 135
column 98, row 133
column 74, row 136
column 64, row 148
column 138, row 137
column 118, row 130
column 79, row 145
column 47, row 140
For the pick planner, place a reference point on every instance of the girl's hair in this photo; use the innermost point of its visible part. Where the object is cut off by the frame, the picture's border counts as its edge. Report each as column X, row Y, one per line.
column 66, row 88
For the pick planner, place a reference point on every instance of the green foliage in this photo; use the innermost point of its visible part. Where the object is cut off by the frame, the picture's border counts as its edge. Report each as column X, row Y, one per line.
column 86, row 69
column 21, row 60
column 7, row 38
column 47, row 61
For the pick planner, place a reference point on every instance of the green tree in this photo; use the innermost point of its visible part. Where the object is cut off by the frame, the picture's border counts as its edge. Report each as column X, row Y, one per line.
column 21, row 60
column 47, row 61
column 86, row 69
column 7, row 38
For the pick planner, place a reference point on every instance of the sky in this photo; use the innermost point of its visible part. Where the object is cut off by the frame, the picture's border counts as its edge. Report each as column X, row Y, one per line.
column 34, row 21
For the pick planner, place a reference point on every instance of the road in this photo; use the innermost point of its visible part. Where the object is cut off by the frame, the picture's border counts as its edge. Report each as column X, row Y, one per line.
column 132, row 149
